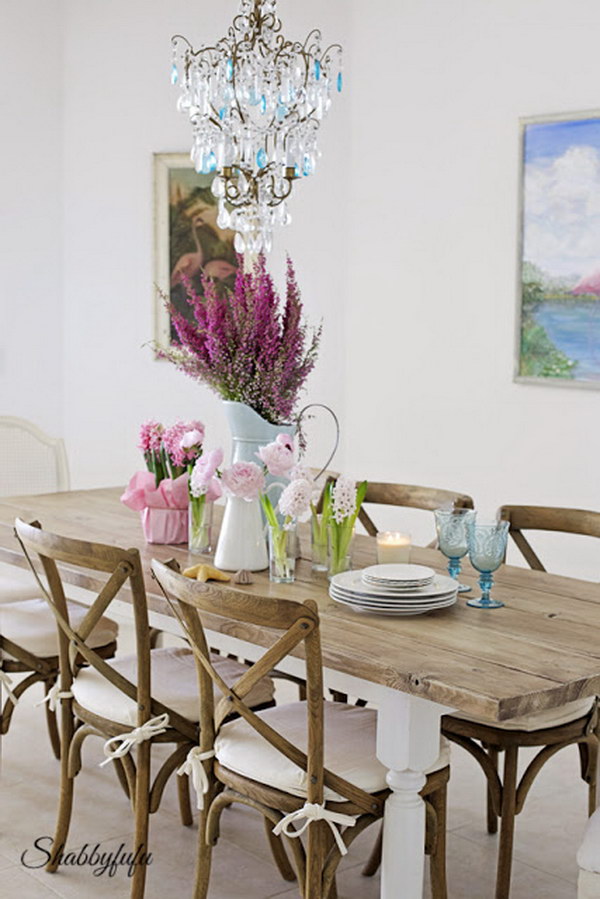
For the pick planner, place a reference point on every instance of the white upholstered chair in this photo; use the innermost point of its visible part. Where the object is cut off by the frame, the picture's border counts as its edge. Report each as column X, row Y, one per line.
column 30, row 462
column 588, row 859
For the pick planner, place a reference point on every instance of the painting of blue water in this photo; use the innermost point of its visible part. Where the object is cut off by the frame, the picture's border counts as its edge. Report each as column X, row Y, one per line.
column 560, row 262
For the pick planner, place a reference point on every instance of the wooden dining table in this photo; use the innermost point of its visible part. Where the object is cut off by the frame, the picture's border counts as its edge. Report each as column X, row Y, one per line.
column 538, row 652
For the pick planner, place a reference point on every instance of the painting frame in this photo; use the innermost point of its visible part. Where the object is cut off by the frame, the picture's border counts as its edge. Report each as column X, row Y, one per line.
column 166, row 166
column 526, row 122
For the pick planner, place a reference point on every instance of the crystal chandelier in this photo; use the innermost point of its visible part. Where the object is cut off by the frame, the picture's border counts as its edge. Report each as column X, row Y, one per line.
column 255, row 101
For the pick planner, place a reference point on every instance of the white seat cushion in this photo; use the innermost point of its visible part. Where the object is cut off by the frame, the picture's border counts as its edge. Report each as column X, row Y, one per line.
column 174, row 682
column 588, row 854
column 350, row 741
column 32, row 625
column 571, row 711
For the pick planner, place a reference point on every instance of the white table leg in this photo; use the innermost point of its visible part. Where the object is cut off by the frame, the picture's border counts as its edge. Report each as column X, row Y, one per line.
column 408, row 741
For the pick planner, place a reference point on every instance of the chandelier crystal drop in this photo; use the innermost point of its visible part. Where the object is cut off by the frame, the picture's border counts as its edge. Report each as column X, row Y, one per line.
column 255, row 101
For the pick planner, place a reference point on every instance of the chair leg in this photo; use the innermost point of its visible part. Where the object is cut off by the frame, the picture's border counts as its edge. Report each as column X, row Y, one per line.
column 507, row 824
column 52, row 725
column 65, row 801
column 374, row 859
column 437, row 859
column 492, row 818
column 316, row 843
column 588, row 753
column 278, row 852
column 203, row 857
column 142, row 813
column 183, row 792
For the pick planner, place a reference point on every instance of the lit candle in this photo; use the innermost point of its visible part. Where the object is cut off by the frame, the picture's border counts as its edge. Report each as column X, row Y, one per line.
column 393, row 547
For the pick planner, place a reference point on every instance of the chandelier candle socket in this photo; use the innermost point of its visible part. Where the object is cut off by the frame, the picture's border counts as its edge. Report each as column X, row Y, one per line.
column 393, row 547
column 255, row 101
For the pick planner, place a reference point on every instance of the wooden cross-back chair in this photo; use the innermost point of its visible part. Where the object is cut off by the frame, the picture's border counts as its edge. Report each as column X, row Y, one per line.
column 410, row 496
column 575, row 723
column 546, row 518
column 278, row 761
column 140, row 700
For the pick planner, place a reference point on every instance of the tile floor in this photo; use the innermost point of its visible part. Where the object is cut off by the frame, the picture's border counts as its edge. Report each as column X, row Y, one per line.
column 548, row 832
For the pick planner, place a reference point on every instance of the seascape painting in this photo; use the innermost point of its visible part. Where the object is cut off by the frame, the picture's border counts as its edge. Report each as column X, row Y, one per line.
column 559, row 327
column 188, row 239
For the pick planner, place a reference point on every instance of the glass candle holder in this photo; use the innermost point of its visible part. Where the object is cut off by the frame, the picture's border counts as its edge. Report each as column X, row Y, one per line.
column 200, row 525
column 283, row 544
column 452, row 526
column 392, row 546
column 487, row 549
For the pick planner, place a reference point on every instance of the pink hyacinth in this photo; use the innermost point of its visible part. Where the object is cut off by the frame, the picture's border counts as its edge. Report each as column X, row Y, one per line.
column 278, row 456
column 150, row 436
column 203, row 480
column 294, row 501
column 172, row 438
column 244, row 480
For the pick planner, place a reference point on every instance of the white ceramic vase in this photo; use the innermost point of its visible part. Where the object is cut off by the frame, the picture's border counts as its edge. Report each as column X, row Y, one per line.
column 242, row 539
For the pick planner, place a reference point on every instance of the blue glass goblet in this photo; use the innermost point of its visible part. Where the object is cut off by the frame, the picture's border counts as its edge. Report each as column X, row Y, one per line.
column 452, row 532
column 487, row 548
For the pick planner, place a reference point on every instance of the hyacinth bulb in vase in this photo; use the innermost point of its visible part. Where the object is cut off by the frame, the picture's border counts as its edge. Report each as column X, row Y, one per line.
column 293, row 506
column 344, row 499
column 256, row 353
column 204, row 488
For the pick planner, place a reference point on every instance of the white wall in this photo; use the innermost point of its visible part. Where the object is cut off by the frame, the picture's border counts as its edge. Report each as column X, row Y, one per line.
column 30, row 212
column 119, row 109
column 437, row 93
column 404, row 241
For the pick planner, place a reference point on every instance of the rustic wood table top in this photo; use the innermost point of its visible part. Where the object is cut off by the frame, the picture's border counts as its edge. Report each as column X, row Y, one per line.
column 539, row 651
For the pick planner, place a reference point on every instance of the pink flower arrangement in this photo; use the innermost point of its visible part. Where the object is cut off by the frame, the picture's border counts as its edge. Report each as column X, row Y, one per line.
column 203, row 479
column 243, row 345
column 169, row 451
column 278, row 456
column 295, row 499
column 244, row 480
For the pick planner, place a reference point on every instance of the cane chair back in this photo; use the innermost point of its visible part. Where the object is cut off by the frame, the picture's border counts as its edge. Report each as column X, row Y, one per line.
column 546, row 518
column 409, row 496
column 300, row 625
column 30, row 460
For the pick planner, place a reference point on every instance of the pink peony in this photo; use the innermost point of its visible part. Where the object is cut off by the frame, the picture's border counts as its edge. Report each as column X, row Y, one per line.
column 244, row 480
column 278, row 456
column 191, row 439
column 203, row 480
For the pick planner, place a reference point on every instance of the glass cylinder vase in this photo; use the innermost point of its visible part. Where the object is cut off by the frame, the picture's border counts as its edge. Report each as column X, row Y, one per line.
column 319, row 543
column 340, row 547
column 282, row 553
column 200, row 525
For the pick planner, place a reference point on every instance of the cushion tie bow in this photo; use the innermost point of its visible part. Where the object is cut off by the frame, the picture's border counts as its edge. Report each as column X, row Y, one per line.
column 151, row 728
column 312, row 811
column 194, row 768
column 53, row 695
column 7, row 680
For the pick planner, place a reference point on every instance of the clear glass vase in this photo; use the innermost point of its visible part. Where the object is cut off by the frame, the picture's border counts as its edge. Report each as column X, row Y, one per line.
column 282, row 553
column 200, row 525
column 319, row 543
column 340, row 548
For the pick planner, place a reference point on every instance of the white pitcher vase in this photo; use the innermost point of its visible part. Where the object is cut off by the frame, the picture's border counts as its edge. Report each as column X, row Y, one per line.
column 242, row 540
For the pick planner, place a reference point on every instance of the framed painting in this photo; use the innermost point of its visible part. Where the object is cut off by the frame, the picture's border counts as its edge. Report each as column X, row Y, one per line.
column 187, row 239
column 558, row 321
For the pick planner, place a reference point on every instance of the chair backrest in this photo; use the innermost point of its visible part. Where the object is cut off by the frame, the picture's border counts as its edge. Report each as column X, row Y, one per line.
column 30, row 461
column 547, row 518
column 300, row 625
column 123, row 567
column 409, row 496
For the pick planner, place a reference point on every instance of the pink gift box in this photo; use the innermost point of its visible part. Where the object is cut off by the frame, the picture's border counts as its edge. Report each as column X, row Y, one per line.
column 165, row 525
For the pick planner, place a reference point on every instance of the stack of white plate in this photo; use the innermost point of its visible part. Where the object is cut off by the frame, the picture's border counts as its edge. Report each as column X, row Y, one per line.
column 394, row 590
